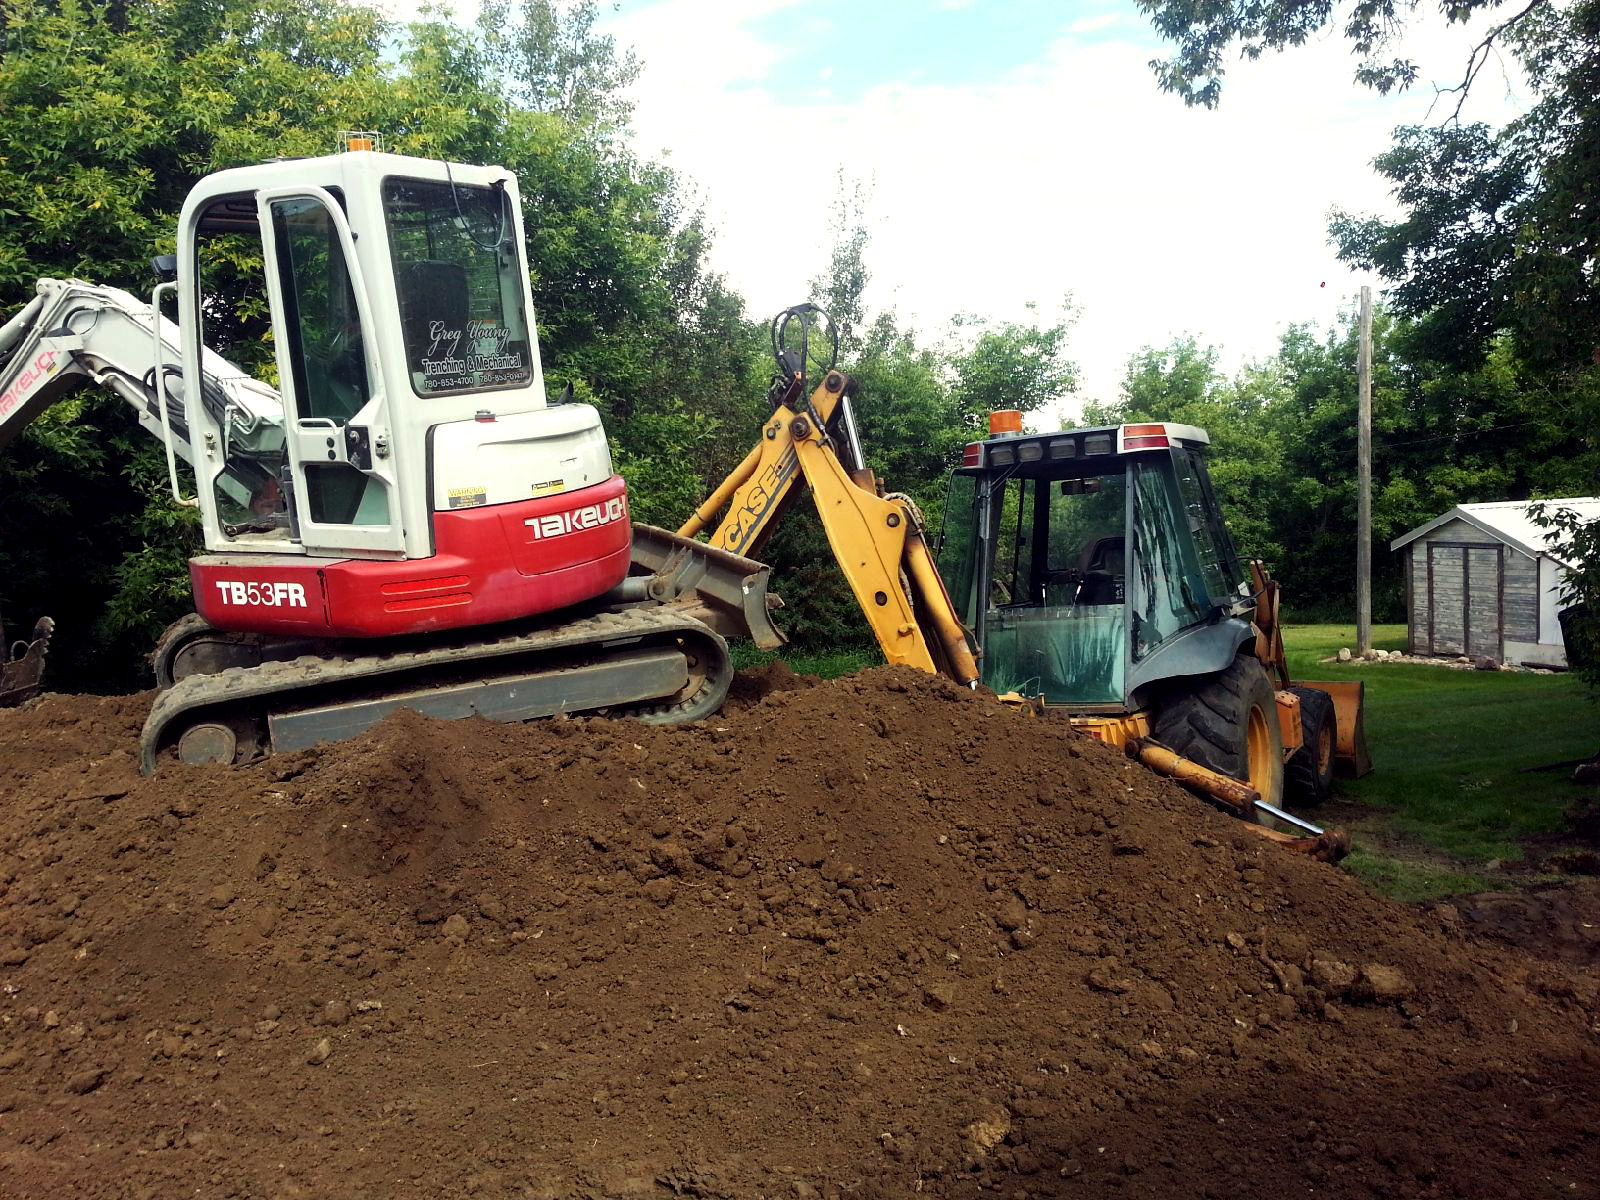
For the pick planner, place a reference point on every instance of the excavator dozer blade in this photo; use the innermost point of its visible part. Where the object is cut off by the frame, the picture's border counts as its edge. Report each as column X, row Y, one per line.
column 725, row 591
column 1349, row 705
column 22, row 674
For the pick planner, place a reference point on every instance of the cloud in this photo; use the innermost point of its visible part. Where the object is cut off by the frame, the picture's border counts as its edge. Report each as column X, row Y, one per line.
column 1069, row 173
column 1072, row 173
column 1094, row 24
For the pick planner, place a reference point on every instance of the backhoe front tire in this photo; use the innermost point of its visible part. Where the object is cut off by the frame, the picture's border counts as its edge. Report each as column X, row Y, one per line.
column 1308, row 775
column 1229, row 723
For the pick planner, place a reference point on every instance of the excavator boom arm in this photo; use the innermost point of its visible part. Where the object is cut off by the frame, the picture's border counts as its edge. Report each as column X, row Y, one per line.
column 73, row 333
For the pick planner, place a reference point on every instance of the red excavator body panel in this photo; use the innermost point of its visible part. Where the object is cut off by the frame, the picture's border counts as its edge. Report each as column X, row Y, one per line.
column 491, row 564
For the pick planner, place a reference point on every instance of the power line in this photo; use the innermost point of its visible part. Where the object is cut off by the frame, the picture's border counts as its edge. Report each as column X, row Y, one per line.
column 1447, row 437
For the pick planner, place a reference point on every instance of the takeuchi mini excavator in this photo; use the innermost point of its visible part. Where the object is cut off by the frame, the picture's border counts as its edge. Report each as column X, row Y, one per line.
column 405, row 519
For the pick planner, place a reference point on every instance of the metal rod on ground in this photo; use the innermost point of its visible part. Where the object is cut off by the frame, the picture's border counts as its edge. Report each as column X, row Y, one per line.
column 1290, row 819
column 1364, row 480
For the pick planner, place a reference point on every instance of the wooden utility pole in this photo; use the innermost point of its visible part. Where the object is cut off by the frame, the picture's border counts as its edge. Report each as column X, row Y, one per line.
column 1364, row 480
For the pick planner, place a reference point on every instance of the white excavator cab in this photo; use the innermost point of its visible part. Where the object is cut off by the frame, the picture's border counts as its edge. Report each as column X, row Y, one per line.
column 411, row 426
column 399, row 303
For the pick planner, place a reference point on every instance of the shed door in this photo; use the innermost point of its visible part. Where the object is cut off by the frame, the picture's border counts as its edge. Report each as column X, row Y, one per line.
column 1484, row 589
column 1465, row 590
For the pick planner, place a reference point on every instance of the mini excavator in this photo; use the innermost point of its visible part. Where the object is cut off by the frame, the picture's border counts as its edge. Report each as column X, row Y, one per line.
column 406, row 519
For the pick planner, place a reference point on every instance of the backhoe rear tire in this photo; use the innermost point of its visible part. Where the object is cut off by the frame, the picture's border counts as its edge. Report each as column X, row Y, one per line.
column 1308, row 775
column 1229, row 723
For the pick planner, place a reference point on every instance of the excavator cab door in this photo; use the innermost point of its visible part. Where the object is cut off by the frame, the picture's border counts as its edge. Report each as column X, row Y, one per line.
column 341, row 487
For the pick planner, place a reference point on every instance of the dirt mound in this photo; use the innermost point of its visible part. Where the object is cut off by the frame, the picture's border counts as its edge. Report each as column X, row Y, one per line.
column 752, row 687
column 880, row 937
column 1558, row 920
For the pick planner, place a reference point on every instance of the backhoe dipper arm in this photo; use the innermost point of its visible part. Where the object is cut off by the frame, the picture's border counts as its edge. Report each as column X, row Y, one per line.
column 876, row 539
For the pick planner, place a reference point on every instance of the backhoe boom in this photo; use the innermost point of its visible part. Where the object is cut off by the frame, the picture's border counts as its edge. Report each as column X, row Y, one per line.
column 876, row 538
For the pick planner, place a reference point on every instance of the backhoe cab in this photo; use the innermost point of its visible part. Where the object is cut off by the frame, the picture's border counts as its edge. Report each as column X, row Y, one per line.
column 1095, row 569
column 1091, row 564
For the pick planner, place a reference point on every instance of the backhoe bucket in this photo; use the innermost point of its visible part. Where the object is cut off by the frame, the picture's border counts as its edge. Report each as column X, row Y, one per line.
column 1349, row 704
column 726, row 591
column 22, row 673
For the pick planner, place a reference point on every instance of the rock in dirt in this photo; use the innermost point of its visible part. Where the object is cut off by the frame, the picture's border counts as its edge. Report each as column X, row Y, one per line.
column 84, row 1082
column 1013, row 914
column 1332, row 976
column 1382, row 984
column 320, row 1052
column 987, row 1132
column 335, row 1012
column 659, row 891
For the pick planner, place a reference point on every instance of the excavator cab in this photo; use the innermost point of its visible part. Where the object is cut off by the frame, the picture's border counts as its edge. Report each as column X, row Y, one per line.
column 408, row 475
column 1093, row 564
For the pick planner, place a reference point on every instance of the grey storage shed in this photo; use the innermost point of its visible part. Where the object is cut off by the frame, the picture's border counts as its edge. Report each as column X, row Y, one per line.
column 1481, row 580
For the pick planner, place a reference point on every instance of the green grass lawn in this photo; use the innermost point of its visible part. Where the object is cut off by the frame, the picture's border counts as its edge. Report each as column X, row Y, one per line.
column 824, row 666
column 1447, row 795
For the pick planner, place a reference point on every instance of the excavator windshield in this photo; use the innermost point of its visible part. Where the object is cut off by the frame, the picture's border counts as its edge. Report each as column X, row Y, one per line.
column 458, row 274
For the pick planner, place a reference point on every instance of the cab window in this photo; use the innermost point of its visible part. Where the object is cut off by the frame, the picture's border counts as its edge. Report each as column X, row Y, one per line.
column 459, row 277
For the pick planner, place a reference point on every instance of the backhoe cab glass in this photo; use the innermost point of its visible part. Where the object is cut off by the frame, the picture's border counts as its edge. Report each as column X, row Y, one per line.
column 458, row 275
column 1072, row 572
column 1055, row 625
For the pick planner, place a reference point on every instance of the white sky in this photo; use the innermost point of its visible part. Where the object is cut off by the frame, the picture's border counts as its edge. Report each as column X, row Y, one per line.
column 1062, row 169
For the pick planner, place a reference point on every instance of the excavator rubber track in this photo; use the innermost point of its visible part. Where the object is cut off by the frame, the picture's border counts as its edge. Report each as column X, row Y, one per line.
column 654, row 663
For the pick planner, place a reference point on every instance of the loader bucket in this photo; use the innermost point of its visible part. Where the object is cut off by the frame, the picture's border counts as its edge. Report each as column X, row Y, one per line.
column 23, row 672
column 1349, row 704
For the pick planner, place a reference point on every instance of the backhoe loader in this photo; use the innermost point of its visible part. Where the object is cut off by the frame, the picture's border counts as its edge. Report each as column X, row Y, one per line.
column 1092, row 567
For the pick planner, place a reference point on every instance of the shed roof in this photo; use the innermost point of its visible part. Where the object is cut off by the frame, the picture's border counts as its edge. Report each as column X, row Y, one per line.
column 1510, row 522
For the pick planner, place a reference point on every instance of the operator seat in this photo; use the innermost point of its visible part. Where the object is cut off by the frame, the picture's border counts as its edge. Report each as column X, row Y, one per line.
column 1102, row 568
column 433, row 291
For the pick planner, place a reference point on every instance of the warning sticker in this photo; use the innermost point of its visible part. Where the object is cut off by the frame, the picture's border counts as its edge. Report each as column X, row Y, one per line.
column 548, row 486
column 468, row 497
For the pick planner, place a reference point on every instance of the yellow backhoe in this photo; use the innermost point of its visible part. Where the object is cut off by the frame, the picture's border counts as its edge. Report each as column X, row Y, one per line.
column 1092, row 567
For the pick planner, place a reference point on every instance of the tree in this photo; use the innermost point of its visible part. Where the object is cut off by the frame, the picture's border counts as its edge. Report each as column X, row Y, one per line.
column 111, row 114
column 1203, row 31
column 1494, row 257
column 1181, row 383
column 1283, row 440
column 553, row 62
column 841, row 286
column 1501, row 228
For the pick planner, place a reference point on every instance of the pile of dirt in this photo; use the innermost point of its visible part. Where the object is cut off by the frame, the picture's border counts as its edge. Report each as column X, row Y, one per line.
column 879, row 937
